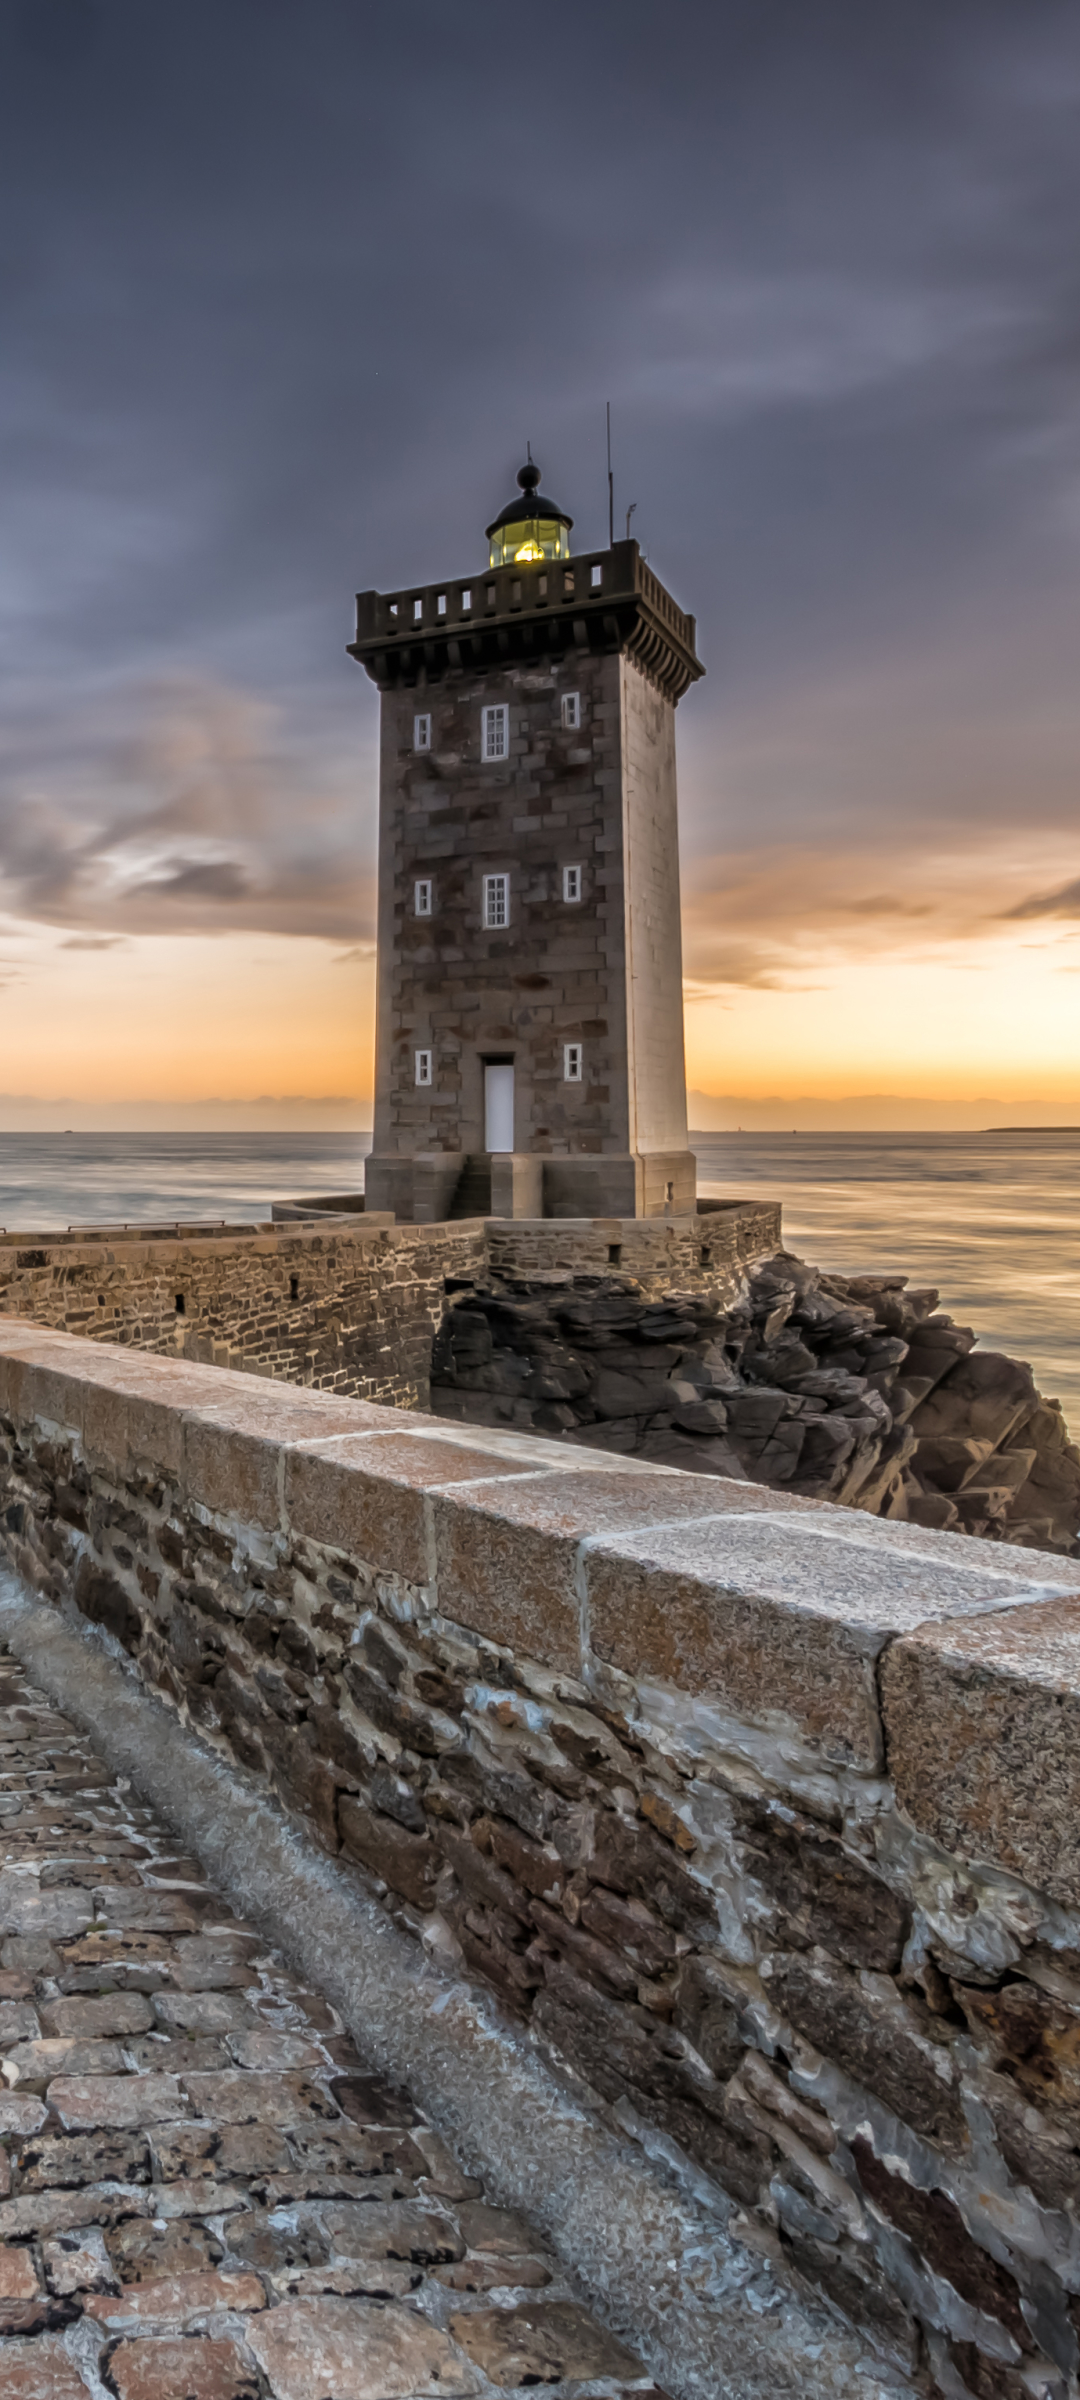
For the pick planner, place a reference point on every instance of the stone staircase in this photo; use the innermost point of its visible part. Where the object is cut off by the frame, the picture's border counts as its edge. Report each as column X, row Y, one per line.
column 472, row 1195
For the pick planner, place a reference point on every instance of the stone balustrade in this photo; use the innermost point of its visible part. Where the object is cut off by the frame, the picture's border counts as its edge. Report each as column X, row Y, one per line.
column 761, row 1814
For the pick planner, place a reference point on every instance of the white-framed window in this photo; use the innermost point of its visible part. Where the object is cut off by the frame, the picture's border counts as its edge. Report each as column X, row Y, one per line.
column 571, row 883
column 421, row 733
column 571, row 711
column 495, row 732
column 596, row 578
column 496, row 900
column 571, row 1062
column 423, row 1067
column 423, row 891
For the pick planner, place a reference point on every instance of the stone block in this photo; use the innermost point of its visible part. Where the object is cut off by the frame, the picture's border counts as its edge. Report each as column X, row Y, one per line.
column 541, row 2342
column 181, row 2369
column 193, row 2152
column 824, row 1894
column 933, row 2223
column 408, row 1862
column 83, row 2103
column 174, row 2299
column 236, row 2098
column 507, row 1557
column 309, row 2348
column 233, row 1453
column 78, row 2262
column 18, row 2275
column 879, row 2041
column 774, row 1614
column 983, row 1728
column 41, row 2370
column 141, row 2252
column 107, row 2017
column 59, row 2162
column 366, row 1495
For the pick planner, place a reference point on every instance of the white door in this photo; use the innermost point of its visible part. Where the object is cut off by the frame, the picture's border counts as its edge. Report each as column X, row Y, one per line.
column 498, row 1108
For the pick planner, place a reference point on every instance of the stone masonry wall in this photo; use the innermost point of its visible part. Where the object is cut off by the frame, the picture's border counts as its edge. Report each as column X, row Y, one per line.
column 708, row 1251
column 350, row 1309
column 762, row 1817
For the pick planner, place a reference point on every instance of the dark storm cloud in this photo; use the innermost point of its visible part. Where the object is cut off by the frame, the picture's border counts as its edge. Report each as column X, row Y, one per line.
column 1065, row 903
column 284, row 291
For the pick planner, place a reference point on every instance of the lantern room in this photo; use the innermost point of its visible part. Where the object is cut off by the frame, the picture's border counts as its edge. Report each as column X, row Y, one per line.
column 529, row 527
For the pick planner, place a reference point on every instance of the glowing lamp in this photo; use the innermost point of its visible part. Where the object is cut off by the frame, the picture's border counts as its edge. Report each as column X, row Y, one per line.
column 529, row 528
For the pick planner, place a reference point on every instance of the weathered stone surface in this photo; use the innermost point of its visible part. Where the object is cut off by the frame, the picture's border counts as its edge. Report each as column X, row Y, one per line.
column 751, row 1614
column 57, row 2212
column 106, row 2018
column 181, row 2369
column 40, row 2370
column 417, row 2230
column 171, row 2299
column 18, row 2275
column 877, row 2041
column 499, row 2232
column 239, row 2098
column 201, row 2150
column 59, row 2162
column 82, row 2103
column 506, row 1555
column 408, row 1862
column 934, row 2224
column 541, row 2342
column 201, row 2012
column 78, row 2262
column 141, row 2251
column 311, row 2348
column 824, row 1895
column 983, row 1725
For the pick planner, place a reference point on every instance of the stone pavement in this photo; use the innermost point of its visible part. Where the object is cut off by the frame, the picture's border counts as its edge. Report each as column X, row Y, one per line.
column 204, row 2194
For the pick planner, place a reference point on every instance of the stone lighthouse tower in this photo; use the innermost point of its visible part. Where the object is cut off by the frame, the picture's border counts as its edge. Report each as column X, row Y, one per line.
column 529, row 1043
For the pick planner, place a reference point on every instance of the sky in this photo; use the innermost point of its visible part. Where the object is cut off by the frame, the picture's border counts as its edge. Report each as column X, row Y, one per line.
column 285, row 289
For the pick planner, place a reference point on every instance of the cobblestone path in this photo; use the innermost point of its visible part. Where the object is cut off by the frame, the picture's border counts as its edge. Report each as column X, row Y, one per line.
column 203, row 2193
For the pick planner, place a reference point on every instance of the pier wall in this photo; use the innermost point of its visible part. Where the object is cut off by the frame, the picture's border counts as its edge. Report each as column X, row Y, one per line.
column 762, row 1816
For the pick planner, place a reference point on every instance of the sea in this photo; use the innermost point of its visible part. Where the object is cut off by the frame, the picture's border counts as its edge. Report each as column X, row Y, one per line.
column 991, row 1220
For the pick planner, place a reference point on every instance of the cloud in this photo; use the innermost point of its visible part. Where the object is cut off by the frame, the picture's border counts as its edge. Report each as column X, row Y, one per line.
column 94, row 941
column 1063, row 903
column 781, row 918
column 184, row 806
column 192, row 879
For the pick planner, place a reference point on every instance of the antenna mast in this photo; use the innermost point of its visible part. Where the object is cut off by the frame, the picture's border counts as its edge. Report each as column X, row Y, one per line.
column 610, row 486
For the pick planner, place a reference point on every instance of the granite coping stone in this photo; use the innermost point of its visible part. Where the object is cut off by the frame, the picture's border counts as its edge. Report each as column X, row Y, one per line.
column 982, row 1722
column 770, row 1615
column 507, row 1554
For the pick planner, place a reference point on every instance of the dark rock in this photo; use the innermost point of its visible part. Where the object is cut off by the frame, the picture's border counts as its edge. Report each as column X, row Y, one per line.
column 408, row 1862
column 875, row 2041
column 632, row 1858
column 935, row 2227
column 824, row 1894
column 865, row 2301
column 104, row 1601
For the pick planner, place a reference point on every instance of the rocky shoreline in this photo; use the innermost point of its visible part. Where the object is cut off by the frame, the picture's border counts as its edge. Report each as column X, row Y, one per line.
column 857, row 1390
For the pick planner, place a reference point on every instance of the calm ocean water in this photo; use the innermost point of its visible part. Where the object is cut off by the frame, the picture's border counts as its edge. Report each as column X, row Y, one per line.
column 993, row 1219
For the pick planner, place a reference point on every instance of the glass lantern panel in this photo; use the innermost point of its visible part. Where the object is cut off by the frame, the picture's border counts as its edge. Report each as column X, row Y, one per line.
column 528, row 540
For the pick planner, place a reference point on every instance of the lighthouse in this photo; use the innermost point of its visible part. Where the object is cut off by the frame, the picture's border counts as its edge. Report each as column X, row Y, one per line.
column 529, row 1018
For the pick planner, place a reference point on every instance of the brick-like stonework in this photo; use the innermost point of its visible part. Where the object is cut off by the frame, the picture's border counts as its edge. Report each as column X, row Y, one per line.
column 762, row 1816
column 350, row 1308
column 201, row 2186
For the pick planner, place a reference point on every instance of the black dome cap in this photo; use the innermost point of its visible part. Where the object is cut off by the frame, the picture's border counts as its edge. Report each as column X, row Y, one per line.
column 531, row 504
